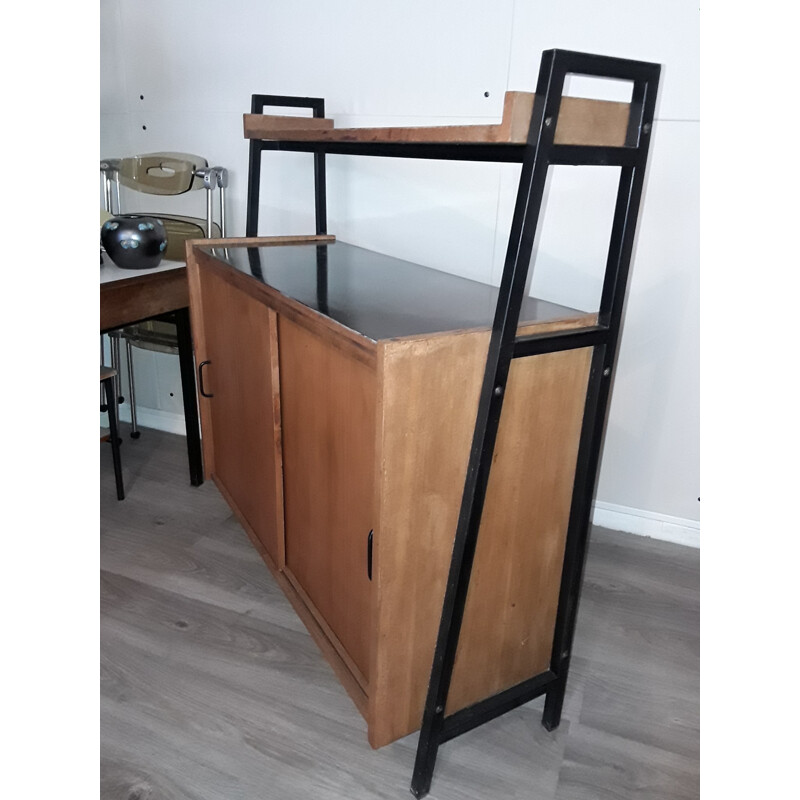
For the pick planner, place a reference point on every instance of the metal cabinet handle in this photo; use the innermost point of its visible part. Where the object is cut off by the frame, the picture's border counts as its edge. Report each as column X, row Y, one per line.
column 200, row 379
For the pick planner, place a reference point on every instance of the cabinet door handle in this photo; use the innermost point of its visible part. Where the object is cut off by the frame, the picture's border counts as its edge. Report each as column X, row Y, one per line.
column 369, row 555
column 200, row 379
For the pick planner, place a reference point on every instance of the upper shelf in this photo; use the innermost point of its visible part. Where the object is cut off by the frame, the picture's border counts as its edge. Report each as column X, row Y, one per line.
column 582, row 122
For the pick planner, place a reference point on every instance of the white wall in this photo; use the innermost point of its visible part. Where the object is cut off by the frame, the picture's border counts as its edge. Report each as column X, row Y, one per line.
column 183, row 84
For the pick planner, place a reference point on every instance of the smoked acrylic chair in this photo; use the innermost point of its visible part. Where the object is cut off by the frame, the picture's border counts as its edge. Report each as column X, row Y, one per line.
column 164, row 174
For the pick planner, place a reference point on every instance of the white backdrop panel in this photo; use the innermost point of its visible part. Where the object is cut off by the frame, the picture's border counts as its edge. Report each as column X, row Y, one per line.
column 665, row 31
column 178, row 75
column 416, row 57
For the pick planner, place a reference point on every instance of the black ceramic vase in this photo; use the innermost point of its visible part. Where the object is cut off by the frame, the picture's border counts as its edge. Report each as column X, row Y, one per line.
column 133, row 241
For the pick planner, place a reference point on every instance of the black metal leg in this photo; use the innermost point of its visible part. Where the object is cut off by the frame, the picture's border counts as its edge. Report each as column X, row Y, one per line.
column 320, row 192
column 253, row 187
column 503, row 346
column 108, row 385
column 553, row 703
column 189, row 389
column 135, row 432
column 577, row 534
column 258, row 102
column 597, row 396
column 115, row 363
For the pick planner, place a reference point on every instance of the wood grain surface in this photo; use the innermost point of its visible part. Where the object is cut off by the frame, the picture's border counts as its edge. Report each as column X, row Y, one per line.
column 581, row 121
column 429, row 398
column 241, row 420
column 510, row 613
column 259, row 241
column 142, row 296
column 328, row 400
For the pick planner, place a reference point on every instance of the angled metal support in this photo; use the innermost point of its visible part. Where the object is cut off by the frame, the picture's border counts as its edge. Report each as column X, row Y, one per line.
column 540, row 153
column 258, row 103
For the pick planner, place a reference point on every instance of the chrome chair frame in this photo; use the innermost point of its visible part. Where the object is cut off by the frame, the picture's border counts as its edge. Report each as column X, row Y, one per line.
column 114, row 173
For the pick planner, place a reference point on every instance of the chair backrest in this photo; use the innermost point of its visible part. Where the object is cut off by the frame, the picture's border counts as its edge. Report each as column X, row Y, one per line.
column 167, row 173
column 162, row 173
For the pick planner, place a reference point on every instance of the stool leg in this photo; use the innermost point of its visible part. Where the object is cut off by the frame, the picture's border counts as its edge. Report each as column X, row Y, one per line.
column 114, row 340
column 135, row 432
column 102, row 388
column 112, row 425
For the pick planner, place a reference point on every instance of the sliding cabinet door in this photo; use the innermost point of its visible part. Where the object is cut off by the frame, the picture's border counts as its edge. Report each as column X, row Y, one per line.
column 241, row 430
column 328, row 408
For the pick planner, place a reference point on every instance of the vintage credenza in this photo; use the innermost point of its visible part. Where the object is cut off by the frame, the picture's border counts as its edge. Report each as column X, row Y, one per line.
column 339, row 389
column 413, row 453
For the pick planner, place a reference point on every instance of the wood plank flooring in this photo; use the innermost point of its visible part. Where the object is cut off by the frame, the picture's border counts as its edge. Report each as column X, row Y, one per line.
column 211, row 689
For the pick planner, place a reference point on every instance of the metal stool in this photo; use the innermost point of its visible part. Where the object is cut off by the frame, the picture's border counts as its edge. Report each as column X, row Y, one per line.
column 107, row 376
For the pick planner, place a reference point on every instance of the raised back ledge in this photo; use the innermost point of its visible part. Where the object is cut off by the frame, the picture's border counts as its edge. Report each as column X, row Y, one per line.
column 601, row 123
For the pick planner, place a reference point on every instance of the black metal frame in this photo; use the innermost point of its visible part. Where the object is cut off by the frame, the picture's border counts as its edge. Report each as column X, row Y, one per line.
column 258, row 103
column 180, row 318
column 537, row 156
column 191, row 414
column 113, row 432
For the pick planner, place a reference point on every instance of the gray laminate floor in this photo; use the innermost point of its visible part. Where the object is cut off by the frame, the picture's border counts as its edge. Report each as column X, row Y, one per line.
column 211, row 688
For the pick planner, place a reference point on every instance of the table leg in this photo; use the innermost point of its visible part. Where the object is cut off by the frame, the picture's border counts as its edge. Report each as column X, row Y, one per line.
column 189, row 389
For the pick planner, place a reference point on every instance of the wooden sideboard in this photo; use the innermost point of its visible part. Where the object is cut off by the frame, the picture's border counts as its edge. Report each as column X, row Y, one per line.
column 428, row 409
column 339, row 389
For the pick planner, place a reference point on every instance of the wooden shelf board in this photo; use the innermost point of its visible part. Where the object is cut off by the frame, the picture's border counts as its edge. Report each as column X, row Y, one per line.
column 581, row 122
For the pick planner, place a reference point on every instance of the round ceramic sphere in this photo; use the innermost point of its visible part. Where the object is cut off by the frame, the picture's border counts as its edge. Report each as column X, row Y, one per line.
column 133, row 241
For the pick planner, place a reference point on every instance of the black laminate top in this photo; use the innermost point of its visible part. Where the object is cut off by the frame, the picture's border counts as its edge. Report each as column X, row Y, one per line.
column 376, row 295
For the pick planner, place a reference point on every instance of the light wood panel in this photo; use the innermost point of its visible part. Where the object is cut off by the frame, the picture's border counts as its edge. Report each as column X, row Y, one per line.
column 428, row 401
column 600, row 123
column 258, row 241
column 511, row 605
column 277, row 123
column 581, row 121
column 241, row 421
column 328, row 407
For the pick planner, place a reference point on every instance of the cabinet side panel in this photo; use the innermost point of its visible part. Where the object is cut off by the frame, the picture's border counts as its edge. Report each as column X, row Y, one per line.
column 328, row 408
column 510, row 613
column 239, row 342
column 429, row 400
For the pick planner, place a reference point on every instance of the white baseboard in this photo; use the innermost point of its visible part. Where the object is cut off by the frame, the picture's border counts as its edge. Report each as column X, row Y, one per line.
column 605, row 515
column 165, row 421
column 647, row 523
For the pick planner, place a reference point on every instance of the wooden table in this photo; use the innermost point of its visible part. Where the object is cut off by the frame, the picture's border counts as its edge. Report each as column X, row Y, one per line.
column 130, row 296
